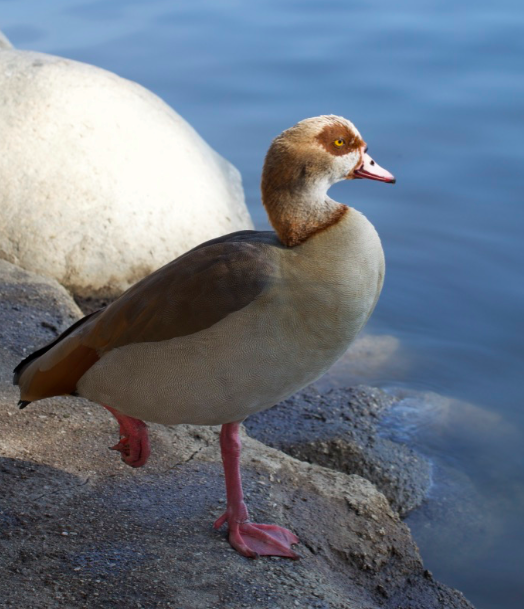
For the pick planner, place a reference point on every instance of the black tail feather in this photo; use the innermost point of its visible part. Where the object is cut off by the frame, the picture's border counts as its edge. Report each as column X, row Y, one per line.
column 23, row 403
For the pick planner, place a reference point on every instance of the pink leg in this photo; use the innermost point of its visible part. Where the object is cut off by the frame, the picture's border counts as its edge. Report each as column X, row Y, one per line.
column 134, row 441
column 249, row 539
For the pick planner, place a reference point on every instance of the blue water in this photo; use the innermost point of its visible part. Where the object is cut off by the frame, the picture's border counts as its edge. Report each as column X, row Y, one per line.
column 437, row 90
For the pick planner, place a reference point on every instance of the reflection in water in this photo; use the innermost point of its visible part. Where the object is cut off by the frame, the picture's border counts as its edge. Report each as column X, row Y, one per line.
column 475, row 504
column 437, row 92
column 369, row 359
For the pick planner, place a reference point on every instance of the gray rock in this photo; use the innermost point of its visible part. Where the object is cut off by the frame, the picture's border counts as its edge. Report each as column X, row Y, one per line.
column 82, row 530
column 79, row 529
column 340, row 430
column 34, row 310
column 101, row 182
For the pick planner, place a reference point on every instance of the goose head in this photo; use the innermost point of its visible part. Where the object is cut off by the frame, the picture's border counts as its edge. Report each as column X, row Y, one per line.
column 302, row 163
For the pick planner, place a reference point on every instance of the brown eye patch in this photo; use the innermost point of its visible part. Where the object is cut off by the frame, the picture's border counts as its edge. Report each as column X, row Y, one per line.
column 331, row 136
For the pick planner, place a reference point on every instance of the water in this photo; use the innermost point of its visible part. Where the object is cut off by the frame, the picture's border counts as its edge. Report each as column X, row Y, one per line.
column 437, row 90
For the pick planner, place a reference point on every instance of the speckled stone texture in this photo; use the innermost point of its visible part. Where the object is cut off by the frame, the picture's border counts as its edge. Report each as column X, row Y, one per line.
column 340, row 429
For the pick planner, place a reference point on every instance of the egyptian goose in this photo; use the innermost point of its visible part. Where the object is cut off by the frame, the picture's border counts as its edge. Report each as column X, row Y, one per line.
column 238, row 323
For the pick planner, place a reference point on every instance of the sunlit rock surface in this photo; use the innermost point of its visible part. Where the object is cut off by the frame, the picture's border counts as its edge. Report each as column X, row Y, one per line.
column 100, row 181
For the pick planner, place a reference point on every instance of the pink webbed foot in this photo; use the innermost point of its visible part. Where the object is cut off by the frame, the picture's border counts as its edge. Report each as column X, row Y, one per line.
column 254, row 540
column 249, row 539
column 134, row 440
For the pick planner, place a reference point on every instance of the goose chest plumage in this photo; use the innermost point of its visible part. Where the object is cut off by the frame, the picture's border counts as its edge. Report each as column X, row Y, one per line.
column 236, row 324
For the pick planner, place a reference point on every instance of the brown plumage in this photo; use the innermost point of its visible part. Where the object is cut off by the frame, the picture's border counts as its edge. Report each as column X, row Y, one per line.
column 188, row 295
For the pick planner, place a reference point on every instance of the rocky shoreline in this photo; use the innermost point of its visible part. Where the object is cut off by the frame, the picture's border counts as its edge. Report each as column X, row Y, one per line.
column 78, row 529
column 339, row 429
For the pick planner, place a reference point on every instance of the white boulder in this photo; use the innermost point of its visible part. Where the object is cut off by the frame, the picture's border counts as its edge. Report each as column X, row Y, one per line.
column 100, row 181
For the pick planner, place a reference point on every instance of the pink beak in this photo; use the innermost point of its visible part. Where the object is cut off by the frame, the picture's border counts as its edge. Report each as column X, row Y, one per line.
column 369, row 169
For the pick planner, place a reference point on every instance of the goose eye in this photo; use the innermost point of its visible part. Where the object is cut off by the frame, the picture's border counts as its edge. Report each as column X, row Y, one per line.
column 339, row 143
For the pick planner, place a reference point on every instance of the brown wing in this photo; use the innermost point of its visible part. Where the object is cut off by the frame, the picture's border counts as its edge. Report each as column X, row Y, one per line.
column 188, row 295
